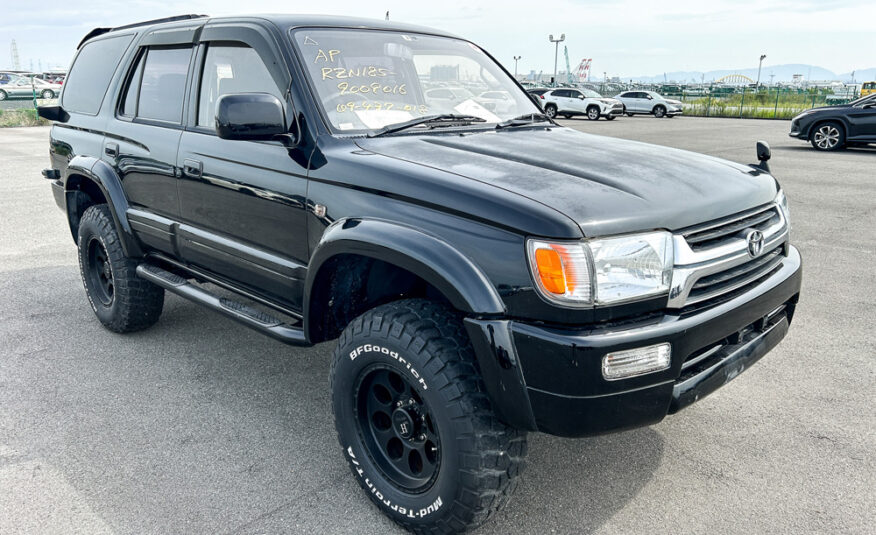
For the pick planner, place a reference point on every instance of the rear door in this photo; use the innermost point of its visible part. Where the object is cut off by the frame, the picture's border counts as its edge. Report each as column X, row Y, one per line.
column 242, row 203
column 142, row 139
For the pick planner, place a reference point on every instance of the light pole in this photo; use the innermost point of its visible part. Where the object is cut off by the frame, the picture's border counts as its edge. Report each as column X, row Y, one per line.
column 556, row 53
column 516, row 59
column 759, row 65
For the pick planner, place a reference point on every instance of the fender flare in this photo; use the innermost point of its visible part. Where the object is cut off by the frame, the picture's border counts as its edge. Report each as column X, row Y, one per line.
column 437, row 262
column 110, row 185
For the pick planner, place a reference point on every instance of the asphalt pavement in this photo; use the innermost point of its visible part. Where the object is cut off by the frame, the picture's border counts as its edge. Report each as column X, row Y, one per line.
column 198, row 425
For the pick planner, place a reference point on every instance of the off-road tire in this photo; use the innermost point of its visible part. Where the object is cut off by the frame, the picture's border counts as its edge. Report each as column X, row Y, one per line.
column 551, row 111
column 480, row 458
column 132, row 304
column 659, row 112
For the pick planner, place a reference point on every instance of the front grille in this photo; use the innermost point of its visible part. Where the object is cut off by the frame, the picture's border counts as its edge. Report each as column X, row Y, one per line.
column 714, row 234
column 712, row 261
column 735, row 277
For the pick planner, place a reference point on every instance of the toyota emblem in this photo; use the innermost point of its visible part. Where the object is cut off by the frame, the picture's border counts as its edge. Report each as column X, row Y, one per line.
column 755, row 243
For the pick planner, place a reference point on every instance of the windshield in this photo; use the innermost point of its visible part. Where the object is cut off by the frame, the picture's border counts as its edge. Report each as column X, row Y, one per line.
column 369, row 79
column 864, row 100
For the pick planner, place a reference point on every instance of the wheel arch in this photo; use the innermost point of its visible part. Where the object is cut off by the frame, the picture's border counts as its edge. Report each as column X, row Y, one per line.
column 90, row 181
column 818, row 122
column 416, row 263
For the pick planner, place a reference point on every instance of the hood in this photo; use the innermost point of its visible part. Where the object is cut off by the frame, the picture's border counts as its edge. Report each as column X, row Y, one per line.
column 605, row 185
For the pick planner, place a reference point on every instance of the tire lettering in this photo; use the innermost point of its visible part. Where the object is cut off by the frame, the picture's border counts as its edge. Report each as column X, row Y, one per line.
column 404, row 511
column 371, row 348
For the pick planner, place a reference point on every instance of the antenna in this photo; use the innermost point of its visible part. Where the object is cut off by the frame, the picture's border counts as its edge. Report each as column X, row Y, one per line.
column 16, row 64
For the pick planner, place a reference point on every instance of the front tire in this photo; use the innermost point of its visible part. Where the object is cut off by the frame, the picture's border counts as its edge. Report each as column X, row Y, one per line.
column 593, row 113
column 48, row 93
column 121, row 300
column 828, row 136
column 610, row 117
column 659, row 112
column 414, row 421
column 3, row 95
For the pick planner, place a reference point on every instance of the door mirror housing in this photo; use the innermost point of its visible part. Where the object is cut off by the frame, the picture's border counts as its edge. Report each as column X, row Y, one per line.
column 250, row 116
column 763, row 151
column 53, row 113
column 580, row 97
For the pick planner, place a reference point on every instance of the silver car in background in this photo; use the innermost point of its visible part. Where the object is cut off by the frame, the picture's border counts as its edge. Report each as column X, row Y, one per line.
column 649, row 103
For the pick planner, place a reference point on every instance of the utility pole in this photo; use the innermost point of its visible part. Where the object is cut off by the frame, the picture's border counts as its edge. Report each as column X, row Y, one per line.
column 16, row 64
column 516, row 59
column 759, row 65
column 556, row 53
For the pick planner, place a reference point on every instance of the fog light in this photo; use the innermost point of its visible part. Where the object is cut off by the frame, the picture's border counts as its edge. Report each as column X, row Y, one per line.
column 633, row 362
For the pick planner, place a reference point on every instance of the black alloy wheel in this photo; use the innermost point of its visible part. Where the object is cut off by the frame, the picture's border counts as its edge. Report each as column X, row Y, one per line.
column 99, row 272
column 397, row 429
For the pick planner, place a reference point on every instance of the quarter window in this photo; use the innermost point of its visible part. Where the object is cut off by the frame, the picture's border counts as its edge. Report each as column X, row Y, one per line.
column 163, row 85
column 90, row 75
column 231, row 69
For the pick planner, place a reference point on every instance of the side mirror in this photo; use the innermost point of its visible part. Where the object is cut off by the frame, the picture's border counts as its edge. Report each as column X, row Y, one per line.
column 763, row 151
column 250, row 116
column 53, row 113
column 763, row 155
column 580, row 97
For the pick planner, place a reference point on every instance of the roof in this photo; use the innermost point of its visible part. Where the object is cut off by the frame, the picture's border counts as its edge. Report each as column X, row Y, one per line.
column 283, row 21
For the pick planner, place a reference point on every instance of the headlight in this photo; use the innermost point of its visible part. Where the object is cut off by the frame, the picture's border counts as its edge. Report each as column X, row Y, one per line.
column 782, row 201
column 603, row 271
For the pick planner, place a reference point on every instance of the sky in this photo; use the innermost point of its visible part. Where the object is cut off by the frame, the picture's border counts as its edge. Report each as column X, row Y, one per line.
column 624, row 38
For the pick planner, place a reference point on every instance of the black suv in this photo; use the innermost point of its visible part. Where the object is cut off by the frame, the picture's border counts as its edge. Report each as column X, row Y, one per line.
column 485, row 272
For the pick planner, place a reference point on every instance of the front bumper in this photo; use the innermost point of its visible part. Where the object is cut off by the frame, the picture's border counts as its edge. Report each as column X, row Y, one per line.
column 550, row 379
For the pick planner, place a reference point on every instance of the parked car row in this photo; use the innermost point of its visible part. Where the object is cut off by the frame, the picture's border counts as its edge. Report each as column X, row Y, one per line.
column 15, row 86
column 569, row 102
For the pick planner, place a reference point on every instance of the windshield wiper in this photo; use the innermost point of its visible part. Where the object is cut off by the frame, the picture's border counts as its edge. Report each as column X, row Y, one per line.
column 444, row 119
column 524, row 120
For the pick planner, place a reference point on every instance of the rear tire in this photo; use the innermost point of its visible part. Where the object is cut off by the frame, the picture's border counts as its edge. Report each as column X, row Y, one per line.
column 48, row 93
column 415, row 423
column 121, row 300
column 3, row 95
column 551, row 111
column 829, row 136
column 629, row 114
column 567, row 115
column 610, row 117
column 659, row 112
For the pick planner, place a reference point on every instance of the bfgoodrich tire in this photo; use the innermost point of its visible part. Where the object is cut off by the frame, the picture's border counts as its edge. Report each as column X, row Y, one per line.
column 414, row 422
column 121, row 300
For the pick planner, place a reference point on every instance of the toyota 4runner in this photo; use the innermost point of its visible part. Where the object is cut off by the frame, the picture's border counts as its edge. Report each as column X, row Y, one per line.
column 485, row 273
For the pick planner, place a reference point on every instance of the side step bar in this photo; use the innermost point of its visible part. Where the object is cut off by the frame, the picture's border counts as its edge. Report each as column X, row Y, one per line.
column 255, row 319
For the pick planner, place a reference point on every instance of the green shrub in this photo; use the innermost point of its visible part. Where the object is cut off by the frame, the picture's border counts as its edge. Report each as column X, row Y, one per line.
column 23, row 117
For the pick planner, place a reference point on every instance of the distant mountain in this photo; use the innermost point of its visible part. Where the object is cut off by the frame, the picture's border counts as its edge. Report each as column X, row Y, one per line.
column 783, row 73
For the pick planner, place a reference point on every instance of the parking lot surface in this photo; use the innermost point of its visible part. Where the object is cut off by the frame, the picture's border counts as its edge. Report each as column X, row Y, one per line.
column 198, row 425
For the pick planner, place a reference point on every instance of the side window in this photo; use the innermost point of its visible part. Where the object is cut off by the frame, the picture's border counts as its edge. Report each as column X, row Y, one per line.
column 574, row 94
column 560, row 93
column 231, row 69
column 163, row 85
column 91, row 72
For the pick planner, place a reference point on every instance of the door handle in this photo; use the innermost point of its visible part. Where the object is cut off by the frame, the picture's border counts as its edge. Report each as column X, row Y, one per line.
column 111, row 149
column 193, row 168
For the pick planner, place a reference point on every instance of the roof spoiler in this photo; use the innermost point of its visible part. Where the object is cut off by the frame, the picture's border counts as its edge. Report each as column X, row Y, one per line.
column 100, row 31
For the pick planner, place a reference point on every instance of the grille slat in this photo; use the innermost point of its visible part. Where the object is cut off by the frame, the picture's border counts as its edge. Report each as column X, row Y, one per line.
column 730, row 279
column 716, row 234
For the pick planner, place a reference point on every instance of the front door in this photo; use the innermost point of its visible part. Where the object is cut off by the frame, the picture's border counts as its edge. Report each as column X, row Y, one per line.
column 242, row 203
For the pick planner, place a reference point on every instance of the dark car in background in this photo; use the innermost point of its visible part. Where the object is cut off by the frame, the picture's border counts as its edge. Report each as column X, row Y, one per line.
column 836, row 127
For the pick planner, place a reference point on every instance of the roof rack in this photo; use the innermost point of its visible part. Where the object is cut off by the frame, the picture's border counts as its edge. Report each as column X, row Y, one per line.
column 100, row 31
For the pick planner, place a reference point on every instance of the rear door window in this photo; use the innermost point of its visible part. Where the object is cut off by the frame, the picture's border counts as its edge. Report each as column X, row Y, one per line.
column 163, row 85
column 91, row 72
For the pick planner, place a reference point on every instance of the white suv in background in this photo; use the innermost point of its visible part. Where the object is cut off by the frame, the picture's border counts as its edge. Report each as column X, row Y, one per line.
column 568, row 101
column 650, row 103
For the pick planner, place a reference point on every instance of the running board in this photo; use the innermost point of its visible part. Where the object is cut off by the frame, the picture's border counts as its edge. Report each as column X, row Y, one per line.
column 255, row 319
